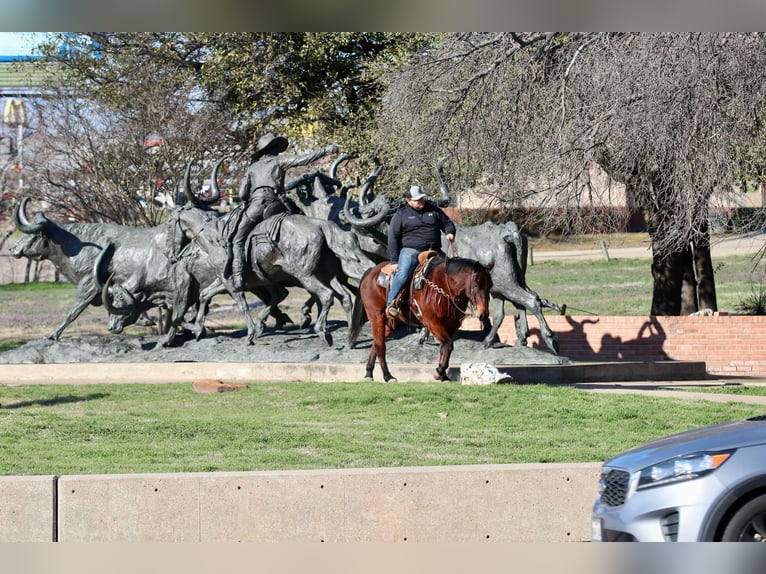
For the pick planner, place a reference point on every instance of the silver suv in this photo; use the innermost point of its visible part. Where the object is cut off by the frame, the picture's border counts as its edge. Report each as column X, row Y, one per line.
column 706, row 484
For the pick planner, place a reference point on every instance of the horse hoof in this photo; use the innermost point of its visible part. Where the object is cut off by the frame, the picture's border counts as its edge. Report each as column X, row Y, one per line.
column 368, row 378
column 439, row 376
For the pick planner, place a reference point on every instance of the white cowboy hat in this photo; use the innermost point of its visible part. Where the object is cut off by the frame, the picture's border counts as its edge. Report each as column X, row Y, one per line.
column 415, row 192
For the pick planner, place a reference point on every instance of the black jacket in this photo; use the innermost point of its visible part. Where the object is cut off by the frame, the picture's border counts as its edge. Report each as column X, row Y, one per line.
column 419, row 230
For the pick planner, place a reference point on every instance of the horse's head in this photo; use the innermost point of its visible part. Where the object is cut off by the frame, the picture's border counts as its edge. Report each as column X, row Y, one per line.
column 482, row 285
column 476, row 282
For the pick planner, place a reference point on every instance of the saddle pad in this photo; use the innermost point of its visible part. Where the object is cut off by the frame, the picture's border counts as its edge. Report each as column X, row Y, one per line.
column 426, row 255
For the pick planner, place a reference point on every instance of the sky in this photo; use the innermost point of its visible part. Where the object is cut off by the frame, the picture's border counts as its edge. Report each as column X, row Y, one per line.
column 18, row 43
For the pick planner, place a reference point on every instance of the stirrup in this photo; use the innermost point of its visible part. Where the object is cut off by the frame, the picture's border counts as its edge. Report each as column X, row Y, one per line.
column 393, row 312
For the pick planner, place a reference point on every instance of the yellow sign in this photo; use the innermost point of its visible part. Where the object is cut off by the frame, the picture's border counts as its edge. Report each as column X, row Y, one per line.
column 15, row 112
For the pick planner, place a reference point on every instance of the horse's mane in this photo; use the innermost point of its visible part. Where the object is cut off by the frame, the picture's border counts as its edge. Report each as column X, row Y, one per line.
column 458, row 264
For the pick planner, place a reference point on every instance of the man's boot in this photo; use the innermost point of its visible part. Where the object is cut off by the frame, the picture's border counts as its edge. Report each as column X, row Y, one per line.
column 394, row 310
column 237, row 275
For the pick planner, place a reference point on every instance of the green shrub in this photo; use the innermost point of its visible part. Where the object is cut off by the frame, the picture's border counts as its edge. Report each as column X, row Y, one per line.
column 754, row 303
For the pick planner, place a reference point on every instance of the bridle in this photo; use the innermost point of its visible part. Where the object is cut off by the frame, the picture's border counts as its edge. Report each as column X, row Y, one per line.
column 448, row 294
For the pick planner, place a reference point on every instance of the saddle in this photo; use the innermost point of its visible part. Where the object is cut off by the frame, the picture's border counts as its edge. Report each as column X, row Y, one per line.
column 386, row 274
column 426, row 261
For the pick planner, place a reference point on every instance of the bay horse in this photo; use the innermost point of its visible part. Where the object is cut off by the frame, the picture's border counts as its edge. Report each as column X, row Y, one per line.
column 439, row 305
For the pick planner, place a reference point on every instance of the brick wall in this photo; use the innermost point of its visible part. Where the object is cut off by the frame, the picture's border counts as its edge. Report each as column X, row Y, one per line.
column 728, row 344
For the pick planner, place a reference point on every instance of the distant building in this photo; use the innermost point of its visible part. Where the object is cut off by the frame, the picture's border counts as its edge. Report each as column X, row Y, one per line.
column 606, row 196
column 21, row 88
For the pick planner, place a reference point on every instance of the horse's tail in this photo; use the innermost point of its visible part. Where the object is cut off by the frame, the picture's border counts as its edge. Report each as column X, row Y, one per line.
column 519, row 249
column 358, row 315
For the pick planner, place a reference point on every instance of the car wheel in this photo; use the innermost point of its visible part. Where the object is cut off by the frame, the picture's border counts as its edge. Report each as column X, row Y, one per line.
column 748, row 524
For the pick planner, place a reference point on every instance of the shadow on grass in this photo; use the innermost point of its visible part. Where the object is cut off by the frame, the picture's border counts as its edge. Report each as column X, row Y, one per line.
column 54, row 401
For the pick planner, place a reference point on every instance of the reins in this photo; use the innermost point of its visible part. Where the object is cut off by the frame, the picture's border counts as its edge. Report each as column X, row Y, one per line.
column 448, row 294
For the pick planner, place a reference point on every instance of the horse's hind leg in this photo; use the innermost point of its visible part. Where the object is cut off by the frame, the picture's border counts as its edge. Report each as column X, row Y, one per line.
column 306, row 311
column 522, row 327
column 344, row 298
column 381, row 329
column 323, row 295
column 528, row 301
column 498, row 315
column 547, row 335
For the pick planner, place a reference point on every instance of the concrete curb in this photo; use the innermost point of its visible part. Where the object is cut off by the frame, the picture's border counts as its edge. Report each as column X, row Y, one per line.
column 92, row 373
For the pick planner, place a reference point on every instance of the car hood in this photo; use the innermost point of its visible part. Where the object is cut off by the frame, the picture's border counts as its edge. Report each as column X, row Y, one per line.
column 734, row 434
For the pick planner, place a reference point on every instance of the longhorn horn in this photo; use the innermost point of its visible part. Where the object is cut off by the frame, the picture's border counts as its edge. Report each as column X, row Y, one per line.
column 195, row 199
column 326, row 180
column 340, row 159
column 190, row 195
column 373, row 221
column 215, row 194
column 106, row 299
column 98, row 264
column 344, row 189
column 22, row 223
column 365, row 194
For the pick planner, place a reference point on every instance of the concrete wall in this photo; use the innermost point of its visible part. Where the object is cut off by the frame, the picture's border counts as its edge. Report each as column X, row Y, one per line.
column 481, row 503
column 27, row 508
column 728, row 344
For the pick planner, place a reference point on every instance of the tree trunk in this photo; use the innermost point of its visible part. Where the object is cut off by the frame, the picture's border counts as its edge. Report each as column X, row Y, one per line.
column 703, row 265
column 684, row 282
column 668, row 278
column 688, row 283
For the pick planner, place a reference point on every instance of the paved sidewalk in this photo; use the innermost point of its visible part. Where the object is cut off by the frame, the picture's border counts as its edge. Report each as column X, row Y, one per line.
column 746, row 244
column 672, row 389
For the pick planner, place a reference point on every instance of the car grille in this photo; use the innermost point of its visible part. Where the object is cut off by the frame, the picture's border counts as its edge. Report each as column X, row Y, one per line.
column 614, row 487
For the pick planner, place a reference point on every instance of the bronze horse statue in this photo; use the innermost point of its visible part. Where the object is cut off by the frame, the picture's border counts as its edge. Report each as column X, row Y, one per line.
column 439, row 303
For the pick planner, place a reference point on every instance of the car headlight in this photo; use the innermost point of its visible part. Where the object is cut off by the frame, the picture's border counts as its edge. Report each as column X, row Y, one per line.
column 681, row 468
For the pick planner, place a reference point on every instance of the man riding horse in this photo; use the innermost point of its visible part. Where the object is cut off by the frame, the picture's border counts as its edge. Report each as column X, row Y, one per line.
column 415, row 227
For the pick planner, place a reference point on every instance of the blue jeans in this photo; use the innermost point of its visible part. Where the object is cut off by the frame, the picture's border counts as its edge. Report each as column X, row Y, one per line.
column 408, row 261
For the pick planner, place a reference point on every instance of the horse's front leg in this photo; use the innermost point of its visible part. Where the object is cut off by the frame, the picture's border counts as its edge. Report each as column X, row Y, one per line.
column 445, row 350
column 370, row 364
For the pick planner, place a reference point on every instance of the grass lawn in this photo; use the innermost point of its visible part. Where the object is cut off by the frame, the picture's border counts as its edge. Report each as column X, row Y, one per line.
column 170, row 428
column 624, row 286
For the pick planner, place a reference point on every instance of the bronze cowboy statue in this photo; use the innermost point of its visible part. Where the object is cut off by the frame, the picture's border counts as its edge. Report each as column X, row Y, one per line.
column 263, row 191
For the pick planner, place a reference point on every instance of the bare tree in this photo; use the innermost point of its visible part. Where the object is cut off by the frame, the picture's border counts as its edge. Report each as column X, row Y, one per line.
column 528, row 115
column 193, row 92
column 101, row 165
column 118, row 129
